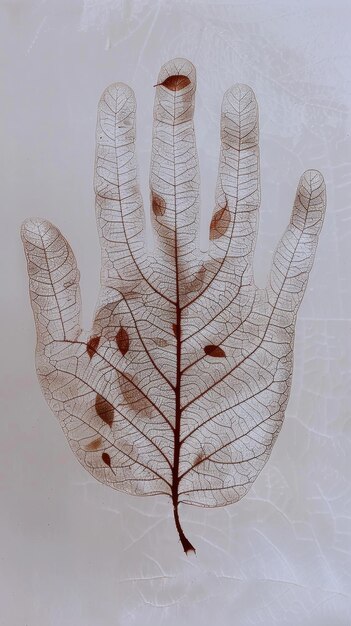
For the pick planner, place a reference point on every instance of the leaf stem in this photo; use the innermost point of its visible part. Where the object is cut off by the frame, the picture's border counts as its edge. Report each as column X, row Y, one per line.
column 187, row 546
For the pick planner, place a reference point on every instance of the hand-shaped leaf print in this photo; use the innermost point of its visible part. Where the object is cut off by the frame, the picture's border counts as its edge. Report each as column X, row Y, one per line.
column 181, row 386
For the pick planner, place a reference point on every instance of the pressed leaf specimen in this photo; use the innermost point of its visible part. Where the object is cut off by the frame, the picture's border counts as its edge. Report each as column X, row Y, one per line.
column 181, row 386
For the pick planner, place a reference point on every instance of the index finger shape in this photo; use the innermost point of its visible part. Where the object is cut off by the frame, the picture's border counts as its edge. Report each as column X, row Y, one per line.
column 119, row 208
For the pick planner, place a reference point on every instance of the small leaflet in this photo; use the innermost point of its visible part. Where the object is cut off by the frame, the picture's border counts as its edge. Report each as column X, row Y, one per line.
column 122, row 339
column 176, row 82
column 215, row 351
column 220, row 222
column 92, row 345
column 158, row 205
column 106, row 458
column 104, row 410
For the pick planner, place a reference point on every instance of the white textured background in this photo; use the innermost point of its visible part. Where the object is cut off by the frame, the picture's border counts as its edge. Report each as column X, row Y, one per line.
column 74, row 553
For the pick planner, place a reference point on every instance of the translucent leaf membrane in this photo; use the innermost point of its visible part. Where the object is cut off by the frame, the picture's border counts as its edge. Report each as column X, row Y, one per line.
column 181, row 386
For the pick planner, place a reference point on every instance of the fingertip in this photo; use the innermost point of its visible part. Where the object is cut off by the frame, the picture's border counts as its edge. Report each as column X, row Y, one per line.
column 239, row 118
column 177, row 75
column 239, row 91
column 40, row 233
column 117, row 98
column 313, row 178
column 312, row 188
column 119, row 88
column 175, row 92
column 34, row 227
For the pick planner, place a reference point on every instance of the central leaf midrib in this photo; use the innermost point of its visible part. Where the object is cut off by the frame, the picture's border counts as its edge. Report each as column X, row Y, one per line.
column 175, row 478
column 187, row 546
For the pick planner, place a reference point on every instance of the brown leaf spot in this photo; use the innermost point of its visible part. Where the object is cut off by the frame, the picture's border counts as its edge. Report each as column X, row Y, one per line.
column 220, row 222
column 106, row 458
column 135, row 400
column 130, row 295
column 92, row 345
column 158, row 204
column 104, row 409
column 196, row 284
column 122, row 339
column 160, row 342
column 176, row 82
column 93, row 445
column 212, row 350
column 175, row 329
column 199, row 458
